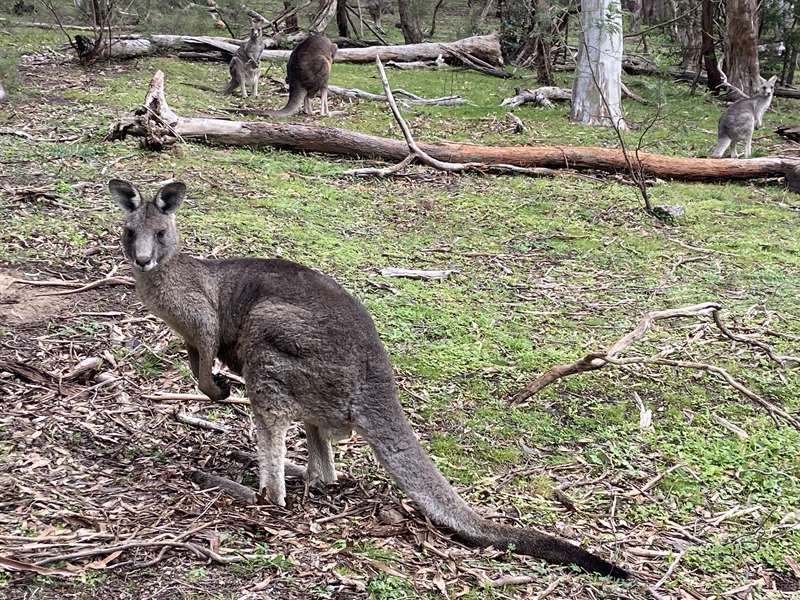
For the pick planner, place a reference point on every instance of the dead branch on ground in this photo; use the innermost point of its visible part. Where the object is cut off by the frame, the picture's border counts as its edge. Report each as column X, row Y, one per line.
column 159, row 126
column 417, row 154
column 613, row 356
column 79, row 287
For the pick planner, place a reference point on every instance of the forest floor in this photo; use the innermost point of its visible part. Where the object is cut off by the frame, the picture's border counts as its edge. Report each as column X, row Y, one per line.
column 93, row 477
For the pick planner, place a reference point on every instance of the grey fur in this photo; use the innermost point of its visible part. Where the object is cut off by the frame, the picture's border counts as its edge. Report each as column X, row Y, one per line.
column 244, row 64
column 308, row 351
column 740, row 119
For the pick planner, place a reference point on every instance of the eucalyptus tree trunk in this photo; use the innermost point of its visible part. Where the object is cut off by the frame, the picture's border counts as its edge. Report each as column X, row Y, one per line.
column 690, row 35
column 709, row 54
column 410, row 21
column 741, row 45
column 596, row 93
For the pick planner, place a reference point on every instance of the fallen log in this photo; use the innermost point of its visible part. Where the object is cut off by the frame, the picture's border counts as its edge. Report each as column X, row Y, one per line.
column 159, row 126
column 546, row 95
column 485, row 48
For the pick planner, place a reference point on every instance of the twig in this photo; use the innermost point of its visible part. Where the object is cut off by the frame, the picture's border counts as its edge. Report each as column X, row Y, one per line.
column 416, row 153
column 416, row 273
column 208, row 481
column 780, row 359
column 598, row 360
column 671, row 568
column 82, row 287
column 161, row 397
column 201, row 423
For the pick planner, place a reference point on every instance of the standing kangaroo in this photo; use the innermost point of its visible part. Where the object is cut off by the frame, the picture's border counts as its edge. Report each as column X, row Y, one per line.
column 307, row 75
column 740, row 119
column 308, row 351
column 244, row 64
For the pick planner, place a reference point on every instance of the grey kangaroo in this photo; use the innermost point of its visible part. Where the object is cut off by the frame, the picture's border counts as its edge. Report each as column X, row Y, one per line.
column 308, row 351
column 244, row 64
column 307, row 75
column 740, row 119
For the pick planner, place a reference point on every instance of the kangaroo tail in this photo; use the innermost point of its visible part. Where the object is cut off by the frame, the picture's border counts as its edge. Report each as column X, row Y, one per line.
column 296, row 97
column 388, row 432
column 720, row 148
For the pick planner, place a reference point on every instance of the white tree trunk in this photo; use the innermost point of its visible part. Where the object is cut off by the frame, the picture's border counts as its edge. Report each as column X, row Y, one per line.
column 596, row 93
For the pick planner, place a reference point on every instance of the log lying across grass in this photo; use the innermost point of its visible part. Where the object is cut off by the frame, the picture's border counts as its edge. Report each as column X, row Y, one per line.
column 483, row 47
column 159, row 126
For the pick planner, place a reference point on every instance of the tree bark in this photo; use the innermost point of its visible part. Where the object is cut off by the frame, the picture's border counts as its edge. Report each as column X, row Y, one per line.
column 709, row 54
column 538, row 47
column 596, row 92
column 741, row 46
column 409, row 21
column 290, row 24
column 341, row 18
column 690, row 34
column 159, row 126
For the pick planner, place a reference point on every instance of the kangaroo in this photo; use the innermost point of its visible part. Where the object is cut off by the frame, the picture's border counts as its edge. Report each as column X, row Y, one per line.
column 740, row 119
column 3, row 95
column 376, row 9
column 244, row 64
column 307, row 75
column 308, row 351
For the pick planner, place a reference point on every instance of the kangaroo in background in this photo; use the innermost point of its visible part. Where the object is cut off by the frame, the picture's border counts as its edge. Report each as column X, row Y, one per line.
column 307, row 75
column 740, row 119
column 308, row 351
column 376, row 9
column 244, row 64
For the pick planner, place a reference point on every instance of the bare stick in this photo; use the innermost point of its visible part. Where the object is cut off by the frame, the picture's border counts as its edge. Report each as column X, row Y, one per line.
column 208, row 481
column 201, row 423
column 597, row 360
column 416, row 153
column 162, row 397
column 781, row 359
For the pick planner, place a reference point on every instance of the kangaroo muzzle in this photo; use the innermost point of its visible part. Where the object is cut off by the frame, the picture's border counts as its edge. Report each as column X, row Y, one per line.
column 144, row 257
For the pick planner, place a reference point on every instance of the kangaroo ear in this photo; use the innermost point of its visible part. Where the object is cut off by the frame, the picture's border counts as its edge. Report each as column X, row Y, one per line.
column 169, row 198
column 773, row 80
column 125, row 194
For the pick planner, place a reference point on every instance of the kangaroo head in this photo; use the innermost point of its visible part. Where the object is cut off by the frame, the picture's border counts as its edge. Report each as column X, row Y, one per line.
column 149, row 235
column 767, row 87
column 256, row 31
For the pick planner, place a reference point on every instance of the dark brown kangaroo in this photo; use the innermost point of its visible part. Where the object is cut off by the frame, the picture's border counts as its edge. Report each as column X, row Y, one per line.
column 307, row 75
column 308, row 351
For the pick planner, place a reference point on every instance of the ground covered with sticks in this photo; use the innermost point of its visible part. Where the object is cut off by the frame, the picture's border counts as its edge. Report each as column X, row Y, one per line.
column 671, row 471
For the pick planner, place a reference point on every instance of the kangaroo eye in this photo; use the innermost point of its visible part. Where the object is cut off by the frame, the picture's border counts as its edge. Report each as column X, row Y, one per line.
column 160, row 235
column 127, row 232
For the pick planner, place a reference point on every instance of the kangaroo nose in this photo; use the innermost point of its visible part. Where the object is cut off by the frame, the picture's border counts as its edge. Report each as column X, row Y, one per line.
column 141, row 262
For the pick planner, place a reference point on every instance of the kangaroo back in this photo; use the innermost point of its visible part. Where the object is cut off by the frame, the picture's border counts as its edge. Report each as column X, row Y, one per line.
column 389, row 433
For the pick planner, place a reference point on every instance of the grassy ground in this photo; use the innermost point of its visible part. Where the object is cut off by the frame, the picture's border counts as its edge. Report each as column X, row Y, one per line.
column 547, row 270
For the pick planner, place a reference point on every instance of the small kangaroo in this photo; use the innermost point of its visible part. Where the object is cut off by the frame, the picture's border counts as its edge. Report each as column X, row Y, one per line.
column 740, row 119
column 244, row 64
column 308, row 351
column 307, row 75
column 376, row 9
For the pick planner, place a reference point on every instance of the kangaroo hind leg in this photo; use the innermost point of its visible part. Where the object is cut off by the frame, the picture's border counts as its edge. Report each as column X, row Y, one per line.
column 722, row 144
column 272, row 417
column 321, row 468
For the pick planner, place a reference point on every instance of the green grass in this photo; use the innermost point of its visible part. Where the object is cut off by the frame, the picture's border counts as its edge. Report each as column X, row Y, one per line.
column 563, row 266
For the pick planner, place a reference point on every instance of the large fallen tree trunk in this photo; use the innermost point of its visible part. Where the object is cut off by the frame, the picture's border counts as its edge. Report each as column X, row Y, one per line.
column 483, row 47
column 159, row 126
